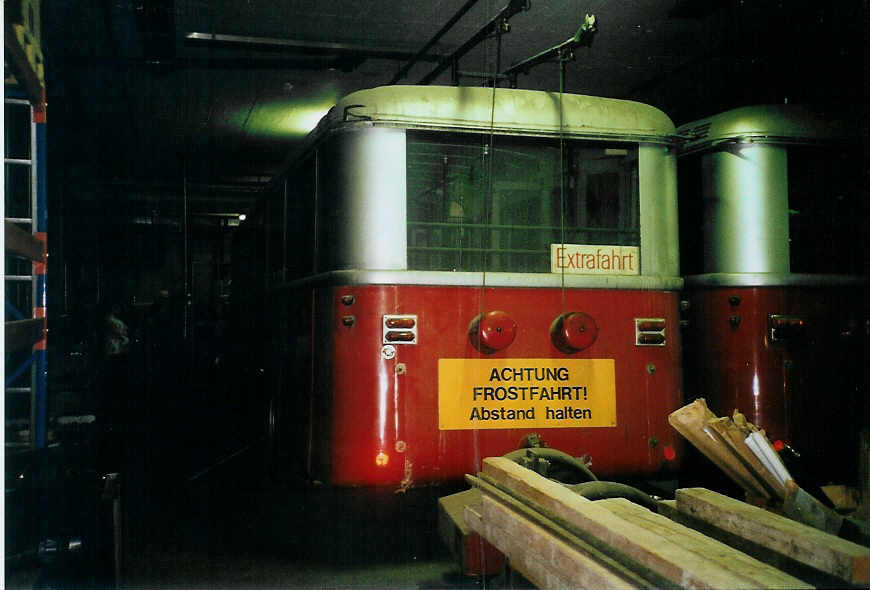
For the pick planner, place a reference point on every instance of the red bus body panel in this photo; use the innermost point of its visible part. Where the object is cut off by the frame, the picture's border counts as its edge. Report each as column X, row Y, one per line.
column 803, row 390
column 375, row 425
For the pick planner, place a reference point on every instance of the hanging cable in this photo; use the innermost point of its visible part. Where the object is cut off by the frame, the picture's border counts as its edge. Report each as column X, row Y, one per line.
column 562, row 175
column 489, row 155
column 488, row 152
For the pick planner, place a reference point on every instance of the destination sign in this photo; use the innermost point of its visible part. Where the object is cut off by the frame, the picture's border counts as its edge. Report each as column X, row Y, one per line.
column 599, row 260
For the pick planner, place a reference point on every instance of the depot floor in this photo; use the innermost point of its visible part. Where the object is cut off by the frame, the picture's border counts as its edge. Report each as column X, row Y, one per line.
column 238, row 529
column 275, row 536
column 198, row 507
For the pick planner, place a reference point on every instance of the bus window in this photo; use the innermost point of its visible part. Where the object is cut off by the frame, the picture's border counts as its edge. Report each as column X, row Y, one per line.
column 458, row 221
column 829, row 219
column 300, row 213
column 274, row 225
column 694, row 217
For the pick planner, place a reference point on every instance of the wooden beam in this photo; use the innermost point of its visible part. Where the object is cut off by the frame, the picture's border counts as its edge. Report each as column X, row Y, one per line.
column 734, row 438
column 628, row 569
column 22, row 334
column 660, row 554
column 694, row 542
column 846, row 560
column 692, row 422
column 801, row 571
column 23, row 68
column 543, row 558
column 22, row 243
column 476, row 556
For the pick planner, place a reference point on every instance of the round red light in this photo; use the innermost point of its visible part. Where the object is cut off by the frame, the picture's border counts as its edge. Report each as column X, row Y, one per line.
column 670, row 453
column 573, row 331
column 492, row 331
column 778, row 445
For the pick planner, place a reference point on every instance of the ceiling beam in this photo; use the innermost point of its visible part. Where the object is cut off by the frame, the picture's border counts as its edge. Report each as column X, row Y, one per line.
column 310, row 47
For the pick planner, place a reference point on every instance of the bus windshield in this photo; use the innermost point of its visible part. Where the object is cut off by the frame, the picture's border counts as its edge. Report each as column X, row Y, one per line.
column 472, row 207
column 829, row 216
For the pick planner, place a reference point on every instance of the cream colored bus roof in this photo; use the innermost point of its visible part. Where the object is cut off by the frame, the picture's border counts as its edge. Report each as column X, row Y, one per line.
column 525, row 112
column 768, row 123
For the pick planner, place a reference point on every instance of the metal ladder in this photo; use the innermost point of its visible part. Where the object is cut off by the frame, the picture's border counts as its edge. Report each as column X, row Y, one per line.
column 24, row 278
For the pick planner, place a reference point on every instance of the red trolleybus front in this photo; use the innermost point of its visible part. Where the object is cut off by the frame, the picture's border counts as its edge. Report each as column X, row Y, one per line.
column 774, row 221
column 489, row 265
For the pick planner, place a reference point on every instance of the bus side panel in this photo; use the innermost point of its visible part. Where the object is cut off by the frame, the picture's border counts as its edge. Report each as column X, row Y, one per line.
column 802, row 388
column 383, row 417
column 318, row 426
column 291, row 402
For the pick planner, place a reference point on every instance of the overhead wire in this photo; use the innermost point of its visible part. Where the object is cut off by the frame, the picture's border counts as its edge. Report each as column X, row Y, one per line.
column 562, row 176
column 489, row 156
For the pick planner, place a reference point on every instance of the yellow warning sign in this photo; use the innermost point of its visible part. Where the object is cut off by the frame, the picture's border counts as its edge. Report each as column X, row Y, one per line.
column 525, row 393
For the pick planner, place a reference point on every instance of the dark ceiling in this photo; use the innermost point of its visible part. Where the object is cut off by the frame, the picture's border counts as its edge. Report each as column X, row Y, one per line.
column 143, row 103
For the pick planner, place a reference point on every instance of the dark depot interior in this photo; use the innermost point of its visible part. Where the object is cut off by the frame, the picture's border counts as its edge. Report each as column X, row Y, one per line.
column 446, row 294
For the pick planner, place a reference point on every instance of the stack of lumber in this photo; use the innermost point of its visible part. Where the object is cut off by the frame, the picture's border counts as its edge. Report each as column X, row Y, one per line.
column 736, row 446
column 558, row 539
column 745, row 454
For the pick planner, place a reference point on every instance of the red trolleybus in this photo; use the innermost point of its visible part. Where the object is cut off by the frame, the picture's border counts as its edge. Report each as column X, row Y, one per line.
column 774, row 223
column 450, row 270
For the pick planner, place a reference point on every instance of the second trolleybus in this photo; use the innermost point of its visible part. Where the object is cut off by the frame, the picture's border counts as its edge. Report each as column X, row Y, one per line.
column 774, row 221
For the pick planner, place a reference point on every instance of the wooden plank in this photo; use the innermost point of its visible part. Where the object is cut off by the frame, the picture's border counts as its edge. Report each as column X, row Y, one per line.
column 475, row 555
column 844, row 498
column 22, row 334
column 734, row 438
column 693, row 541
column 810, row 575
column 453, row 506
column 692, row 422
column 546, row 560
column 846, row 560
column 22, row 243
column 658, row 553
column 529, row 565
column 626, row 568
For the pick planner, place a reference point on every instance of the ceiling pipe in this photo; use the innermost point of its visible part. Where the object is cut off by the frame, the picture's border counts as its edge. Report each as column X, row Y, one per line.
column 355, row 50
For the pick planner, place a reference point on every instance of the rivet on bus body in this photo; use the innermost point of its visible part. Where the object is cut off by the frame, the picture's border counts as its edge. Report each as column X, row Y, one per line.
column 651, row 369
column 492, row 331
column 573, row 331
column 401, row 369
column 348, row 299
column 348, row 320
column 401, row 446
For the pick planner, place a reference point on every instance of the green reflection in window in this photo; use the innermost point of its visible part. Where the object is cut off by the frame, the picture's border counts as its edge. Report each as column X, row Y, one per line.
column 457, row 221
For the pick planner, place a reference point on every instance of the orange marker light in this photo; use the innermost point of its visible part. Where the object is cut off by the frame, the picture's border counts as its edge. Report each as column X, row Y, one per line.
column 649, row 332
column 382, row 459
column 396, row 336
column 399, row 329
column 651, row 339
column 400, row 322
column 651, row 325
